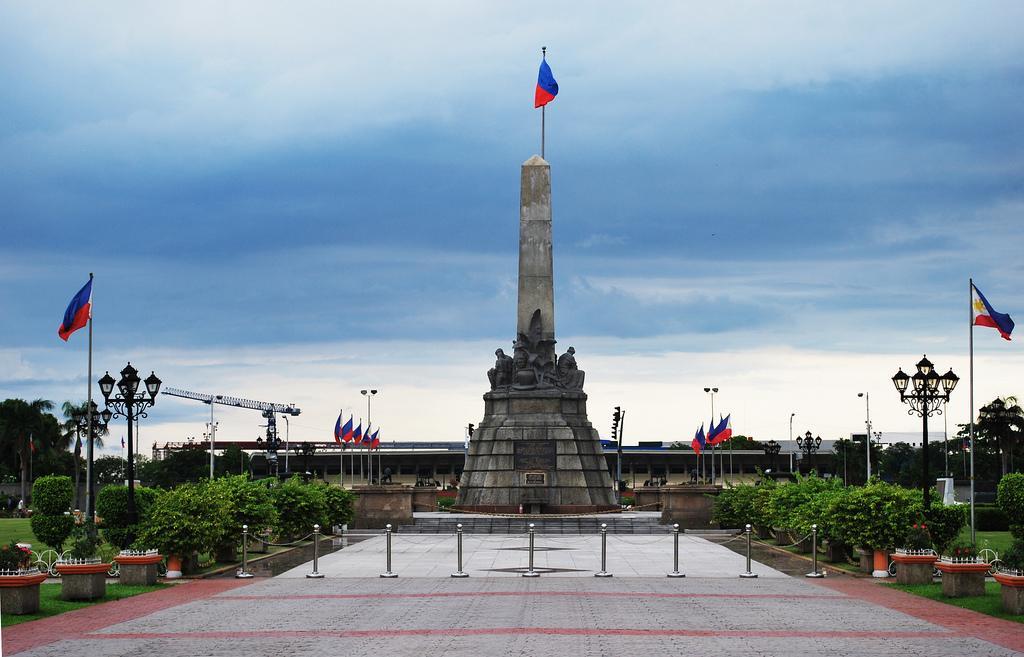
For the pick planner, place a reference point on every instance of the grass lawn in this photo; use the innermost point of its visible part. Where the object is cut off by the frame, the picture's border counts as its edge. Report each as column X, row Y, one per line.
column 989, row 604
column 50, row 603
column 19, row 529
column 998, row 541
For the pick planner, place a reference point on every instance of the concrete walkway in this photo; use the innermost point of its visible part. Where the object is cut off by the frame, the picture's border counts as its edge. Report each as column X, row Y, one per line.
column 709, row 613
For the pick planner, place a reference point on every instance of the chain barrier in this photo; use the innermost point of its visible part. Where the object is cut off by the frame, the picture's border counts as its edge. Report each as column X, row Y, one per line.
column 656, row 538
column 526, row 516
column 292, row 544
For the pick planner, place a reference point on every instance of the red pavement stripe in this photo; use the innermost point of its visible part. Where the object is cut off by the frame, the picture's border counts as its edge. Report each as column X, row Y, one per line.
column 74, row 624
column 498, row 631
column 961, row 621
column 582, row 594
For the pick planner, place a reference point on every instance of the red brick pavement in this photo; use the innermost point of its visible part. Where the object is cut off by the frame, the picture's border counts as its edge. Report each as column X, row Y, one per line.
column 963, row 622
column 89, row 619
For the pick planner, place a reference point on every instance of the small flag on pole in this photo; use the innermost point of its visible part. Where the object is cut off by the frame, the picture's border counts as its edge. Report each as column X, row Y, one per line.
column 374, row 440
column 985, row 315
column 722, row 432
column 32, row 443
column 78, row 313
column 337, row 430
column 357, row 435
column 346, row 431
column 547, row 88
column 122, row 442
column 699, row 440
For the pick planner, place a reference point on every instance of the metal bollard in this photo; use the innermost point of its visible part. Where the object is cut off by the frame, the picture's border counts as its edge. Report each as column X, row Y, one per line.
column 749, row 574
column 604, row 552
column 675, row 554
column 531, row 572
column 814, row 554
column 243, row 572
column 316, row 574
column 458, row 542
column 387, row 536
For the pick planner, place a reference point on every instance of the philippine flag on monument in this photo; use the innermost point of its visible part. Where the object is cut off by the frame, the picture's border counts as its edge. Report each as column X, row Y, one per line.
column 985, row 315
column 547, row 88
column 78, row 313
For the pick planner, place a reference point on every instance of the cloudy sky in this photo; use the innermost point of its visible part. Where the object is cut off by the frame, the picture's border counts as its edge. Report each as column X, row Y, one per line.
column 293, row 201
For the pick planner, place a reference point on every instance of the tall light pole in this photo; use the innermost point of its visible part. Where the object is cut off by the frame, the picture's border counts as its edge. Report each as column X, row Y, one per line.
column 712, row 392
column 791, row 416
column 369, row 457
column 924, row 400
column 287, row 436
column 867, row 421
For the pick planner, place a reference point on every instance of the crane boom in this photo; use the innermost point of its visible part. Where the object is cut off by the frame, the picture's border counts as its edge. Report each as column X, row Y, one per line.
column 286, row 409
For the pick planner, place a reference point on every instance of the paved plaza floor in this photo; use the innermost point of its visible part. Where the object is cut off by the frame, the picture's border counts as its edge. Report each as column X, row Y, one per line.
column 565, row 611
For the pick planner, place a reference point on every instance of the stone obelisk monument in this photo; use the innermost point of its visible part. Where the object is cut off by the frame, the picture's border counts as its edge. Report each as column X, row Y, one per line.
column 535, row 448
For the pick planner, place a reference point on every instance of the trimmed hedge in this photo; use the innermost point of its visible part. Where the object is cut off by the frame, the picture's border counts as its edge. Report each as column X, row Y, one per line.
column 990, row 518
column 1010, row 497
column 112, row 509
column 51, row 501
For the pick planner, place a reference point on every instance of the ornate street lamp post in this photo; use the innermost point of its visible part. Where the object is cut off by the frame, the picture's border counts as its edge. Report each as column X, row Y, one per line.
column 930, row 391
column 808, row 444
column 771, row 450
column 130, row 403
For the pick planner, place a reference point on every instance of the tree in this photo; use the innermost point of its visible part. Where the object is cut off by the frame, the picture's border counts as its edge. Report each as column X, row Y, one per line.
column 24, row 426
column 75, row 416
column 109, row 469
column 1001, row 423
column 232, row 461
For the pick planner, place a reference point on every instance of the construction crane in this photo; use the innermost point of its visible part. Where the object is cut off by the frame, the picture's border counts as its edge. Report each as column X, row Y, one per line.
column 269, row 410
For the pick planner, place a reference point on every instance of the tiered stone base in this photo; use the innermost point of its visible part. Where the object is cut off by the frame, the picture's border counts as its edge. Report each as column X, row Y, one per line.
column 914, row 568
column 961, row 580
column 535, row 450
column 19, row 594
column 138, row 570
column 83, row 581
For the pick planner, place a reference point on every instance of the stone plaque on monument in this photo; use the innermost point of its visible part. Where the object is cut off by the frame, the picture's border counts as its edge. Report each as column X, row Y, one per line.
column 535, row 455
column 535, row 414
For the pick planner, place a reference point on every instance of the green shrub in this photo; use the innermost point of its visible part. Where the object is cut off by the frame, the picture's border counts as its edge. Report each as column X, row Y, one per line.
column 340, row 506
column 51, row 500
column 917, row 538
column 1010, row 497
column 961, row 550
column 183, row 521
column 876, row 516
column 761, row 502
column 627, row 500
column 445, row 503
column 990, row 518
column 52, row 495
column 1013, row 559
column 820, row 495
column 944, row 524
column 245, row 503
column 299, row 506
column 85, row 541
column 734, row 507
column 112, row 509
column 53, row 530
column 799, row 505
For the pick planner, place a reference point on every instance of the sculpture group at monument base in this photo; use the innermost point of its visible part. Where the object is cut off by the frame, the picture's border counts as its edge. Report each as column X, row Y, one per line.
column 535, row 452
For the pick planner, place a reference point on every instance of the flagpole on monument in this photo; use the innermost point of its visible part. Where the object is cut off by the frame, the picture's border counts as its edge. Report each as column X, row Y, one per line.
column 88, row 422
column 970, row 342
column 543, row 55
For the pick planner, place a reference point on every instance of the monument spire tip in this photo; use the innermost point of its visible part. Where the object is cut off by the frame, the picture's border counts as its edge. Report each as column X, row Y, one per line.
column 536, row 161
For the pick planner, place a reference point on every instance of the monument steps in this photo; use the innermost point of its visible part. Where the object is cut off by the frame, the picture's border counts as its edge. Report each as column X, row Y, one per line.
column 475, row 524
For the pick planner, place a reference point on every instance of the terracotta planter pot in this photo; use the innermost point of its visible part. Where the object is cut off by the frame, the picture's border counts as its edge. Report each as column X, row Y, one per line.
column 138, row 569
column 19, row 594
column 961, row 580
column 1012, row 592
column 867, row 559
column 836, row 552
column 880, row 564
column 83, row 581
column 173, row 566
column 913, row 568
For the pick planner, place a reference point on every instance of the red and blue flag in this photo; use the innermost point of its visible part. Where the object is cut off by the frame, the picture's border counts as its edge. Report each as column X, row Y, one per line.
column 547, row 88
column 985, row 315
column 357, row 435
column 79, row 312
column 346, row 431
column 699, row 440
column 374, row 440
column 337, row 430
column 722, row 432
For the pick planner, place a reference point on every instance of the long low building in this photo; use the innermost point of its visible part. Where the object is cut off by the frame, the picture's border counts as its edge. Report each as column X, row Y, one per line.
column 442, row 462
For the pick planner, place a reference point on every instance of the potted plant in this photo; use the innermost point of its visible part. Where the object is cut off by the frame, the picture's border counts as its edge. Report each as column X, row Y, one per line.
column 916, row 559
column 875, row 517
column 963, row 573
column 1010, row 576
column 83, row 575
column 19, row 581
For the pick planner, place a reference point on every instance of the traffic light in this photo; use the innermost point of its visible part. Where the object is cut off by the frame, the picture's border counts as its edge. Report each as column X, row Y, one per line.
column 470, row 429
column 616, row 417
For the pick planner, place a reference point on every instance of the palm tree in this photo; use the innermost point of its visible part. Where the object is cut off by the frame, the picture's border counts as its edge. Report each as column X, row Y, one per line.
column 20, row 423
column 1002, row 420
column 74, row 420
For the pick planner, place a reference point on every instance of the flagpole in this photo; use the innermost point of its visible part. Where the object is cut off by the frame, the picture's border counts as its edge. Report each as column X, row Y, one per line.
column 970, row 341
column 543, row 55
column 88, row 423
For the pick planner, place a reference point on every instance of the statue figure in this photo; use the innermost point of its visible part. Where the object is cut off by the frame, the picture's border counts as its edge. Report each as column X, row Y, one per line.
column 569, row 375
column 501, row 374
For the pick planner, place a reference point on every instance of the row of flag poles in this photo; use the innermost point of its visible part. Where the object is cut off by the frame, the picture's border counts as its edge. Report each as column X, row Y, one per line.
column 716, row 435
column 346, row 434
